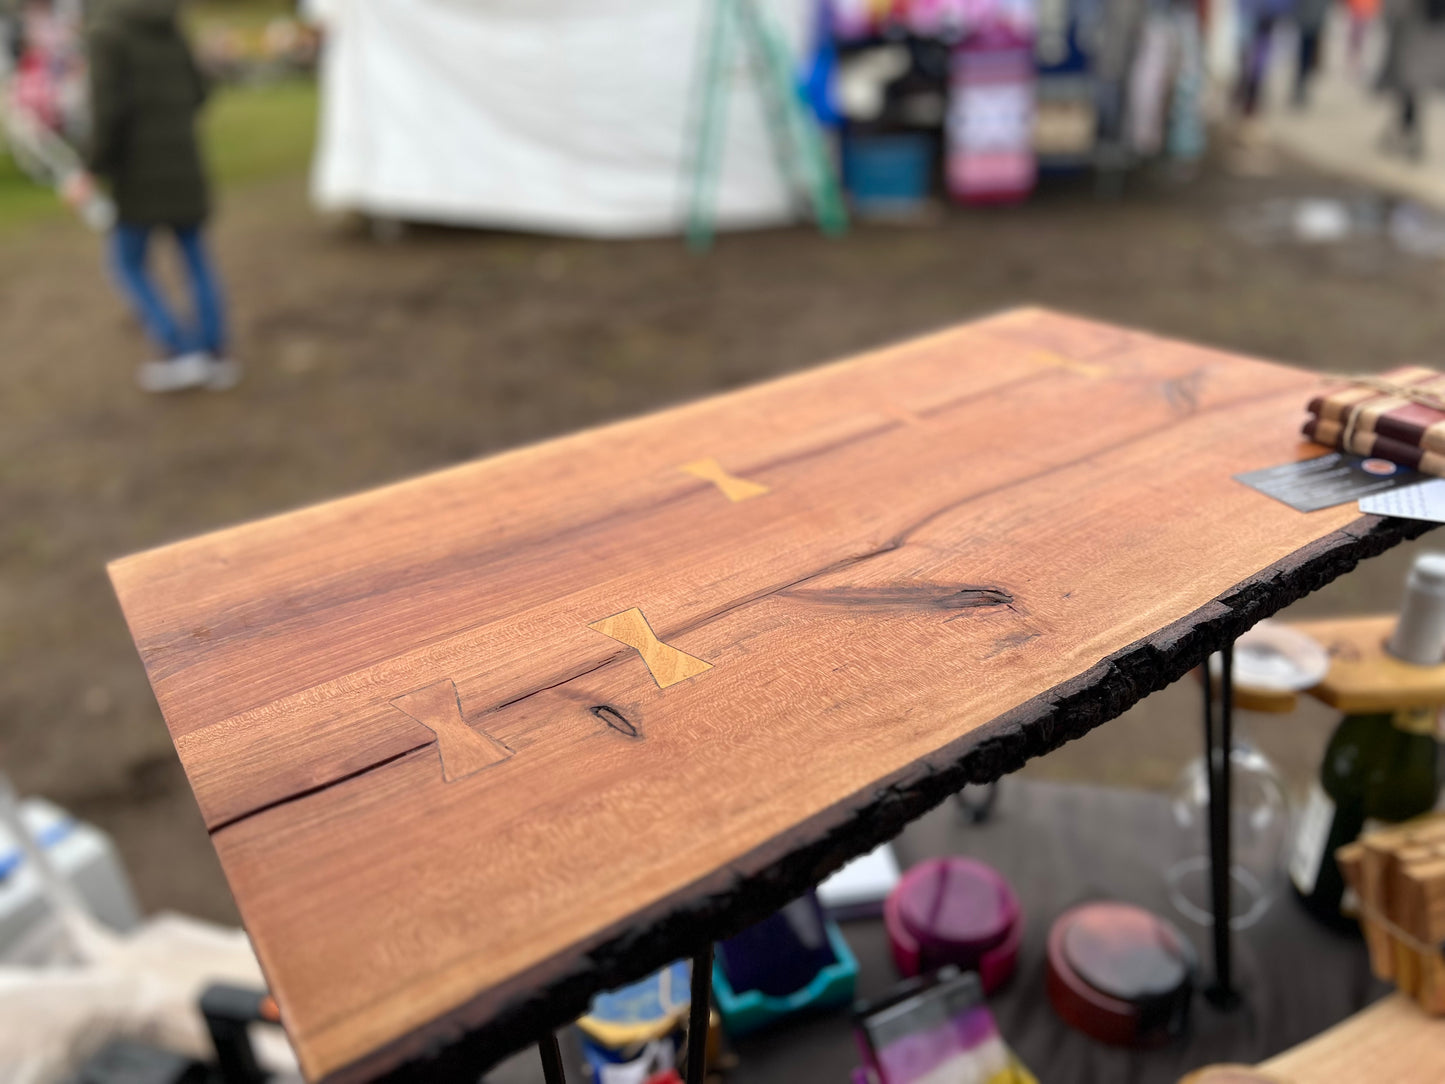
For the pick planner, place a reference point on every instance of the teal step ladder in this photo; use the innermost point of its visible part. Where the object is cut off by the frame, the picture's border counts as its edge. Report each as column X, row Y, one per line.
column 798, row 145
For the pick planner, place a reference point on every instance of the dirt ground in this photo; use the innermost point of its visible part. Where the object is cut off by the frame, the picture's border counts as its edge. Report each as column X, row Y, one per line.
column 369, row 361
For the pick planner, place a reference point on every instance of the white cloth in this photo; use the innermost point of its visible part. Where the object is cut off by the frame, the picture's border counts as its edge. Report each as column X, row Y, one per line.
column 569, row 116
column 145, row 985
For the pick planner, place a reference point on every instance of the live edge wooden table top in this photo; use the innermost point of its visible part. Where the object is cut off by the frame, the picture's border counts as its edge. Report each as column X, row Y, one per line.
column 474, row 746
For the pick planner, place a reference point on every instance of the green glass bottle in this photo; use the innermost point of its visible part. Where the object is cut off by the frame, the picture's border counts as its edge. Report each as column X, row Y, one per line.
column 1378, row 769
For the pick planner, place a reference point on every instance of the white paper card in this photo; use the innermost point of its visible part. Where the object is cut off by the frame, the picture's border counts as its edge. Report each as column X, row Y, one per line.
column 1423, row 501
column 864, row 880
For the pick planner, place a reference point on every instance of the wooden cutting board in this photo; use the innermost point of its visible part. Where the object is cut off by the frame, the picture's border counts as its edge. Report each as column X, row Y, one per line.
column 474, row 746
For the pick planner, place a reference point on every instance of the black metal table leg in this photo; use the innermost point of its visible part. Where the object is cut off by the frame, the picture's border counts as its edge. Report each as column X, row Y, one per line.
column 699, row 1016
column 1218, row 749
column 553, row 1071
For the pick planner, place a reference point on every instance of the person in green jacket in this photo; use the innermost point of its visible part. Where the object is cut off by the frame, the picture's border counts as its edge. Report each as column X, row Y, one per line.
column 146, row 90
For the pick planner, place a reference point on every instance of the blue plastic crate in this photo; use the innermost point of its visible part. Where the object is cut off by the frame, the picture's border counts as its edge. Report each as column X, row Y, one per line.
column 888, row 171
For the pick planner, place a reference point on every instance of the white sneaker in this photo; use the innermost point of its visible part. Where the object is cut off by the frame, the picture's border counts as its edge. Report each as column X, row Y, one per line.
column 223, row 374
column 175, row 374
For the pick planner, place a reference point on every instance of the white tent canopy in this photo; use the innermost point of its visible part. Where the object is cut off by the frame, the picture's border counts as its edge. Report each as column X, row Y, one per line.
column 566, row 116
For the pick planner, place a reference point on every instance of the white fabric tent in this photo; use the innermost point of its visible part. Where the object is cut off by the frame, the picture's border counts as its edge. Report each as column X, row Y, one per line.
column 566, row 116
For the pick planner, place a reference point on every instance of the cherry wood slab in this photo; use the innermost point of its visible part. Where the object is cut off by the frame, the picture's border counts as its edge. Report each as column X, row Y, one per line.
column 477, row 745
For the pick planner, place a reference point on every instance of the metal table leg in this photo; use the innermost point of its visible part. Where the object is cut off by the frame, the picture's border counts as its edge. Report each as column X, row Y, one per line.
column 553, row 1071
column 1218, row 745
column 699, row 1016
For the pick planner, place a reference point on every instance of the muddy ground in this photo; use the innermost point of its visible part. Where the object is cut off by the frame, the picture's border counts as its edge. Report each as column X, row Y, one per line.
column 369, row 361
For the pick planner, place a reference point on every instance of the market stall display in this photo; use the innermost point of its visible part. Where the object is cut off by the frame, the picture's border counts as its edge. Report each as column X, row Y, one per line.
column 1011, row 89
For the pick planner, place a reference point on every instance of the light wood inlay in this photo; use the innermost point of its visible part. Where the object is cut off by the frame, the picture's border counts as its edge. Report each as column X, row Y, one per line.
column 666, row 664
column 1083, row 368
column 733, row 487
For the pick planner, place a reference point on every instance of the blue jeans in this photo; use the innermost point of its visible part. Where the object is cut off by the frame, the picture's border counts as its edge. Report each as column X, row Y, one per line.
column 129, row 246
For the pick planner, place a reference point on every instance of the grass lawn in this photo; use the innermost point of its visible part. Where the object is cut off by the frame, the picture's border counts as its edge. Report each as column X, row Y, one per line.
column 252, row 133
column 21, row 199
column 255, row 133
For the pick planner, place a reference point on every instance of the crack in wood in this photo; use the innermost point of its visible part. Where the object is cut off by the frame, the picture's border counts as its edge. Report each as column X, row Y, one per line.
column 615, row 719
column 1182, row 392
column 921, row 596
column 325, row 784
column 1011, row 641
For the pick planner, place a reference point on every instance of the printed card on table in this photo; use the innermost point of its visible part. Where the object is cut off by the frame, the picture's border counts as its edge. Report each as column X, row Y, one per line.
column 1311, row 484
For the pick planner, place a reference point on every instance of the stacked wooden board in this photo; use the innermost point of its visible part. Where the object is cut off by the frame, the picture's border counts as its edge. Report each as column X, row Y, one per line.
column 1398, row 415
column 1398, row 874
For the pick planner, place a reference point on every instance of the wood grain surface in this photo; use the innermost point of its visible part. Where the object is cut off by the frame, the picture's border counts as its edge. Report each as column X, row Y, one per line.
column 1391, row 1042
column 1364, row 676
column 970, row 547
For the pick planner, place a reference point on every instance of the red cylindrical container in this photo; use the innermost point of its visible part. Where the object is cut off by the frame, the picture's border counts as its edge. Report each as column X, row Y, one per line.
column 1120, row 974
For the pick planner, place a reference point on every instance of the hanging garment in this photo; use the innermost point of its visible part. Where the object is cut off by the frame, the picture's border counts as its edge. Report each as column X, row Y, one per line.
column 1187, row 138
column 990, row 127
column 1066, row 112
column 1109, row 29
column 1149, row 84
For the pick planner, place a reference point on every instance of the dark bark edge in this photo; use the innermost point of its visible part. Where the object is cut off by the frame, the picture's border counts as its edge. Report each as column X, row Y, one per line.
column 467, row 1042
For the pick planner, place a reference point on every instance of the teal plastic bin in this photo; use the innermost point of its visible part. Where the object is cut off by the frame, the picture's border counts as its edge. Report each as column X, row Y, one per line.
column 888, row 172
column 745, row 1011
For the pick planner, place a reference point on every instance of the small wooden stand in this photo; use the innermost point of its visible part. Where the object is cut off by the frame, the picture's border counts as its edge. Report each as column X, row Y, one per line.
column 1364, row 676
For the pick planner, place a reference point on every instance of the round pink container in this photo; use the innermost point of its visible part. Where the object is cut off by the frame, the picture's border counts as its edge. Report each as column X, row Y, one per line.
column 955, row 911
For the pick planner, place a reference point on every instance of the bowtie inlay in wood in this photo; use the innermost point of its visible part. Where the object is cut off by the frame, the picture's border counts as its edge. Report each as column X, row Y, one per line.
column 666, row 664
column 464, row 751
column 733, row 488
